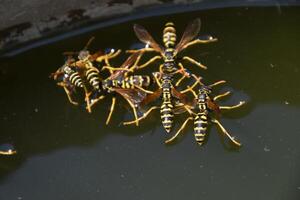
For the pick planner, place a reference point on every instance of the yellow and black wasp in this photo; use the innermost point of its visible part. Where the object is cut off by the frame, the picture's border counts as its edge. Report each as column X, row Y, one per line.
column 81, row 72
column 7, row 149
column 129, row 87
column 167, row 92
column 202, row 110
column 68, row 77
column 170, row 66
column 170, row 50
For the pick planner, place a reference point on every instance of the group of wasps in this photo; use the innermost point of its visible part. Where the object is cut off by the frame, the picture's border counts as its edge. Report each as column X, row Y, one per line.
column 165, row 89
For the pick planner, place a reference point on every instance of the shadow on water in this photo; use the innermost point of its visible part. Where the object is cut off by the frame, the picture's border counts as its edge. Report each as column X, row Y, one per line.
column 64, row 152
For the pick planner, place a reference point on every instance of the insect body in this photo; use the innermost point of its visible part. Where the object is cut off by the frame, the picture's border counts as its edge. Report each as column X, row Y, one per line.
column 169, row 67
column 201, row 113
column 69, row 78
column 167, row 92
column 129, row 87
column 171, row 49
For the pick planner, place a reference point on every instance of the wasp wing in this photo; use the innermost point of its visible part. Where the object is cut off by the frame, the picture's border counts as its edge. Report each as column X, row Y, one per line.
column 151, row 97
column 126, row 66
column 146, row 38
column 214, row 107
column 135, row 96
column 191, row 31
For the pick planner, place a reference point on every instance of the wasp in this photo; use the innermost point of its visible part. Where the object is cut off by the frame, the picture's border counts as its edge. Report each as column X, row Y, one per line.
column 168, row 93
column 69, row 78
column 82, row 73
column 170, row 50
column 201, row 112
column 129, row 87
column 164, row 78
column 7, row 149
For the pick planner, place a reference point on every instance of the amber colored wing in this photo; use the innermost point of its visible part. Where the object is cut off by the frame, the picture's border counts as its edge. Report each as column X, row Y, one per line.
column 146, row 38
column 191, row 31
column 182, row 97
column 213, row 106
column 179, row 108
column 94, row 56
column 135, row 96
column 126, row 65
column 151, row 97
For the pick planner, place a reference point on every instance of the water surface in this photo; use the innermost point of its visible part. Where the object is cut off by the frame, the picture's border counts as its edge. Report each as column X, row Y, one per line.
column 66, row 153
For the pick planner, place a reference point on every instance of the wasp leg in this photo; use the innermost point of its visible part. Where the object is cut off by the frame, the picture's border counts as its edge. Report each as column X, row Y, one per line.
column 140, row 50
column 225, row 132
column 194, row 62
column 217, row 83
column 108, row 56
column 198, row 41
column 112, row 107
column 190, row 88
column 148, row 62
column 144, row 90
column 180, row 80
column 221, row 96
column 87, row 99
column 157, row 81
column 94, row 101
column 69, row 96
column 134, row 111
column 179, row 130
column 111, row 69
column 182, row 70
column 142, row 117
column 232, row 107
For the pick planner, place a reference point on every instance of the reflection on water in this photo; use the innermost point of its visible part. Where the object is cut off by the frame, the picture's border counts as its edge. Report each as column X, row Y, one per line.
column 66, row 153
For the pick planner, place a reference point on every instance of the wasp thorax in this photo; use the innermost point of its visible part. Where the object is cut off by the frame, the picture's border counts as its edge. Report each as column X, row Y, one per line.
column 67, row 70
column 169, row 36
column 83, row 55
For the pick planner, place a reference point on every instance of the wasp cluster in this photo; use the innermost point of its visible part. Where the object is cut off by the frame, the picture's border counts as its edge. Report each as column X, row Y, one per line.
column 84, row 71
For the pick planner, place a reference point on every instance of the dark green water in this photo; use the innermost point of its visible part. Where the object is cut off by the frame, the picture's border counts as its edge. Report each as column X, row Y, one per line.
column 66, row 153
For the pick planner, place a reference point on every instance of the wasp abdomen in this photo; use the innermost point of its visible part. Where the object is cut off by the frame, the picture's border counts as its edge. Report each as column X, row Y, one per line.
column 76, row 79
column 200, row 127
column 166, row 113
column 169, row 36
column 93, row 78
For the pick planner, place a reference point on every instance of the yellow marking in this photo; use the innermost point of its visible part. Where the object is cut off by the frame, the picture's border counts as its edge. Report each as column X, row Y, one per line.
column 169, row 24
column 167, row 115
column 166, row 110
column 203, row 117
column 199, row 128
column 199, row 134
column 165, row 121
column 123, row 84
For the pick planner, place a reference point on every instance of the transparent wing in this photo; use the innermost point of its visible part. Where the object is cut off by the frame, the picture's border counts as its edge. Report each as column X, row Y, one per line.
column 126, row 65
column 135, row 96
column 146, row 38
column 191, row 31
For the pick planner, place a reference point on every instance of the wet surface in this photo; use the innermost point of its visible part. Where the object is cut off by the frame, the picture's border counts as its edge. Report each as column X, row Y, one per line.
column 66, row 153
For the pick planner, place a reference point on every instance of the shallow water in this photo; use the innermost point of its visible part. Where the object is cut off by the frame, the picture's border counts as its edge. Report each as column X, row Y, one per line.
column 66, row 153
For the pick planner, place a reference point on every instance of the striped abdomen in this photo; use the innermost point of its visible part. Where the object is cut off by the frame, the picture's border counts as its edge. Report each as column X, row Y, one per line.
column 138, row 80
column 129, row 82
column 166, row 110
column 169, row 35
column 200, row 127
column 93, row 78
column 75, row 79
